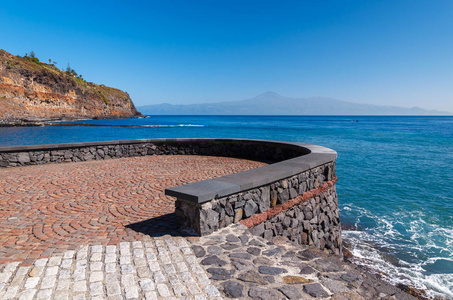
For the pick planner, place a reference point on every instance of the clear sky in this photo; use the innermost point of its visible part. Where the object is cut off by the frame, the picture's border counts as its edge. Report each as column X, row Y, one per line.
column 180, row 52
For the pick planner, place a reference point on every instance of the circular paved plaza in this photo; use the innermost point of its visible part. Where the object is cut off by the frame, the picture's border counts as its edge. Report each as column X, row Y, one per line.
column 49, row 209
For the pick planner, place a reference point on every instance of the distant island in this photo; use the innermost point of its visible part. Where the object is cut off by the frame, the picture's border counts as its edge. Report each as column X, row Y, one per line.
column 271, row 103
column 33, row 91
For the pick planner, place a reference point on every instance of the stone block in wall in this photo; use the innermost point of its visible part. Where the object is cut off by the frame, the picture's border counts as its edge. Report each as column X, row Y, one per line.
column 264, row 200
column 250, row 208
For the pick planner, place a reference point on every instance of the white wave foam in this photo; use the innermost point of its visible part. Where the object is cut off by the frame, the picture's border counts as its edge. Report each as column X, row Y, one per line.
column 398, row 272
column 177, row 125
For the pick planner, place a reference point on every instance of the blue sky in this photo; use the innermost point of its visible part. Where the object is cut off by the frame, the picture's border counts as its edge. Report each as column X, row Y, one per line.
column 379, row 52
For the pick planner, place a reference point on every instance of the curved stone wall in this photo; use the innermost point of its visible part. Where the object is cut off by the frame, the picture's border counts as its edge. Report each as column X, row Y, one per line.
column 294, row 196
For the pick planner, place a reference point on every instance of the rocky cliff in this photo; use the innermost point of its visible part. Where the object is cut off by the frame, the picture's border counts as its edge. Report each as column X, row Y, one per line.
column 31, row 90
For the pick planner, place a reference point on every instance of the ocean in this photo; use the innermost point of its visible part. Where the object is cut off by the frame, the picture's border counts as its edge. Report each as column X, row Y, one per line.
column 395, row 185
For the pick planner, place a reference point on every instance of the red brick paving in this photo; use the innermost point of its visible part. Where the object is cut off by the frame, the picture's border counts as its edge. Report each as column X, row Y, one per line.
column 53, row 208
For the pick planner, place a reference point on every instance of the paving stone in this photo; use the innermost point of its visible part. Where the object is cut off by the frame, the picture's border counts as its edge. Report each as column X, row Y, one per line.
column 229, row 246
column 213, row 260
column 80, row 286
column 163, row 290
column 187, row 277
column 44, row 294
column 295, row 280
column 193, row 288
column 147, row 285
column 96, row 276
column 27, row 294
column 271, row 270
column 306, row 269
column 272, row 252
column 292, row 293
column 214, row 250
column 11, row 292
column 240, row 264
column 131, row 292
column 174, row 279
column 306, row 255
column 254, row 251
column 264, row 294
column 96, row 289
column 198, row 251
column 113, row 289
column 159, row 277
column 233, row 289
column 315, row 290
column 252, row 276
column 212, row 291
column 335, row 286
column 180, row 291
column 219, row 273
column 48, row 282
column 232, row 238
column 64, row 285
column 263, row 261
column 241, row 255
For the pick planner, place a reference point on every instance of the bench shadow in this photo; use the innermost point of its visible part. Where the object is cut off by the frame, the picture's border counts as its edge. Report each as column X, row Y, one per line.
column 159, row 226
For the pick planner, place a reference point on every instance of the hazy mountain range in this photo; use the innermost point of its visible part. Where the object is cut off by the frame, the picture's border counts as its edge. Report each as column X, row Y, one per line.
column 271, row 103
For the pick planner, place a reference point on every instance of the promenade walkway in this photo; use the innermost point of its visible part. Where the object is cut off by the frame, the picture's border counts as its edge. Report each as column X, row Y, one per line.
column 63, row 226
column 105, row 230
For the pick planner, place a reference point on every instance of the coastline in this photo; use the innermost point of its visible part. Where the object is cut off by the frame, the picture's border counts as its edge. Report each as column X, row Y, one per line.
column 325, row 137
column 34, row 122
column 421, row 294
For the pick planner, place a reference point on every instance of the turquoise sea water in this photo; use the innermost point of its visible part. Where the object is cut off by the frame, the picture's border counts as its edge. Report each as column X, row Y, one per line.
column 395, row 175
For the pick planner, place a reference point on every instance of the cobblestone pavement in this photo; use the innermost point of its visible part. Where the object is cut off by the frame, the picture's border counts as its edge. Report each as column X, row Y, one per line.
column 52, row 208
column 153, row 268
column 105, row 230
column 243, row 266
column 101, row 229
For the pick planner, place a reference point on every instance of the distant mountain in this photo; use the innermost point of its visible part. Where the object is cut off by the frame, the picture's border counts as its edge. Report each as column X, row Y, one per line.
column 271, row 103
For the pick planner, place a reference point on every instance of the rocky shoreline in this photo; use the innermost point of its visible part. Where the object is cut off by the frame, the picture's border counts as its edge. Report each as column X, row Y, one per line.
column 57, row 122
column 244, row 266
